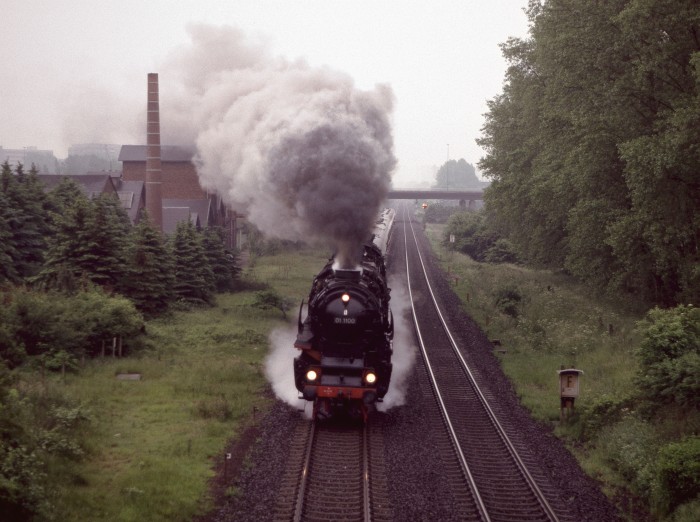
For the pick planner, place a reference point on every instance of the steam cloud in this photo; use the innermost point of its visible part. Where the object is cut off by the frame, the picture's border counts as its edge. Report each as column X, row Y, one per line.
column 300, row 149
column 279, row 365
column 405, row 349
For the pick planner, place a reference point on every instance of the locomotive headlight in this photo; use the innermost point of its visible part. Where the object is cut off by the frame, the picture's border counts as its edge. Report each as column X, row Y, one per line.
column 346, row 297
column 370, row 377
column 311, row 375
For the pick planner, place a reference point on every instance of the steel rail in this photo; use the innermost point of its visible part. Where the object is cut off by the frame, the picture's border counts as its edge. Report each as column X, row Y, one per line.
column 443, row 409
column 299, row 511
column 366, row 501
column 492, row 416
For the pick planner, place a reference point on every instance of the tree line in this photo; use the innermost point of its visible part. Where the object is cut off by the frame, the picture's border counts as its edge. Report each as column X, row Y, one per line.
column 456, row 174
column 75, row 274
column 592, row 147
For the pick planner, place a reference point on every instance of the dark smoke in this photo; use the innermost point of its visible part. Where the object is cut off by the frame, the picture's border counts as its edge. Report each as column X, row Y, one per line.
column 301, row 150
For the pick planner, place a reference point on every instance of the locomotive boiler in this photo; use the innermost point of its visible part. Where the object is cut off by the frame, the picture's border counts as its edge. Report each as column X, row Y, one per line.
column 346, row 338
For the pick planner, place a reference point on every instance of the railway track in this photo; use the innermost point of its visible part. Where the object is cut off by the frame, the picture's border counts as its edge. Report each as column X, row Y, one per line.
column 496, row 481
column 336, row 473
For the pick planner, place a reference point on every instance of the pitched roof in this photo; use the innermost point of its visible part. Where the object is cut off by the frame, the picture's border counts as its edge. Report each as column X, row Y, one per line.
column 200, row 206
column 168, row 153
column 92, row 185
column 174, row 215
column 131, row 194
column 176, row 210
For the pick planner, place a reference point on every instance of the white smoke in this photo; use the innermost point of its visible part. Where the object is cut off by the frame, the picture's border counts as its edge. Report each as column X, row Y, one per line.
column 302, row 151
column 405, row 349
column 279, row 366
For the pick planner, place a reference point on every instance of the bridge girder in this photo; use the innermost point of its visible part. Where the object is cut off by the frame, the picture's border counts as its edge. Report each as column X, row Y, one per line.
column 462, row 195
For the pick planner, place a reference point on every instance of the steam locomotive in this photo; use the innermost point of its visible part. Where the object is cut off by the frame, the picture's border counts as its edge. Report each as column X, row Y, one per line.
column 346, row 338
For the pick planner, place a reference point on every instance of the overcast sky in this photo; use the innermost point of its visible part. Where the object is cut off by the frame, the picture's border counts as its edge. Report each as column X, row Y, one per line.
column 74, row 71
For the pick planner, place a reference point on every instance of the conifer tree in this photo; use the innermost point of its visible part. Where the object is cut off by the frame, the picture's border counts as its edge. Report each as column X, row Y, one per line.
column 26, row 219
column 108, row 227
column 7, row 253
column 222, row 261
column 68, row 244
column 149, row 278
column 64, row 195
column 88, row 244
column 193, row 274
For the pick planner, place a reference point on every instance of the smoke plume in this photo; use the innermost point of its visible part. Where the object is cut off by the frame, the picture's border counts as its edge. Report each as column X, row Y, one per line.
column 405, row 348
column 302, row 151
column 279, row 365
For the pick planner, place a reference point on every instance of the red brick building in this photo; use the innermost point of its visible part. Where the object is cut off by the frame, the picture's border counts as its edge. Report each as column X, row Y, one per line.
column 180, row 179
column 183, row 197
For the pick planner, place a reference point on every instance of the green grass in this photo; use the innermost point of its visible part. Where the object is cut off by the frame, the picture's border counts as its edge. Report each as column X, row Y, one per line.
column 154, row 442
column 290, row 273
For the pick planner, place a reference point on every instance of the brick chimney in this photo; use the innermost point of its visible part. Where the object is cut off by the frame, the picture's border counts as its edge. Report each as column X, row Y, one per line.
column 154, row 175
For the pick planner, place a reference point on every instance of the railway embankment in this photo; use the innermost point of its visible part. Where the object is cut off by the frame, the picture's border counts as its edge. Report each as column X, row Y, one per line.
column 634, row 426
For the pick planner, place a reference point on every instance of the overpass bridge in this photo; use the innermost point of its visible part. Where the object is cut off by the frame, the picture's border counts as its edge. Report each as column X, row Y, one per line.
column 466, row 197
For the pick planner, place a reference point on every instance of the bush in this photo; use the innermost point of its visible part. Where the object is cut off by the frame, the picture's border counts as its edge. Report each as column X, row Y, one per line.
column 439, row 213
column 689, row 512
column 36, row 428
column 22, row 490
column 670, row 356
column 468, row 230
column 602, row 411
column 508, row 299
column 630, row 447
column 11, row 352
column 679, row 474
column 271, row 300
column 474, row 238
column 60, row 329
column 502, row 251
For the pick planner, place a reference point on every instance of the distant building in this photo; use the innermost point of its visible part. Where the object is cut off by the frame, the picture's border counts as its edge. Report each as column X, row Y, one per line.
column 44, row 160
column 94, row 184
column 106, row 152
column 183, row 197
column 180, row 180
column 132, row 196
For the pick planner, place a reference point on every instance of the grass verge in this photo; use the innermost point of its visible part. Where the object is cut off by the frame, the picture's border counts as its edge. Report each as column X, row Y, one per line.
column 154, row 441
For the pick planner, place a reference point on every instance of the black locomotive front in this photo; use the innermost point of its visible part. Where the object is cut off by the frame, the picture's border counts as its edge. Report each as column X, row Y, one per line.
column 346, row 339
